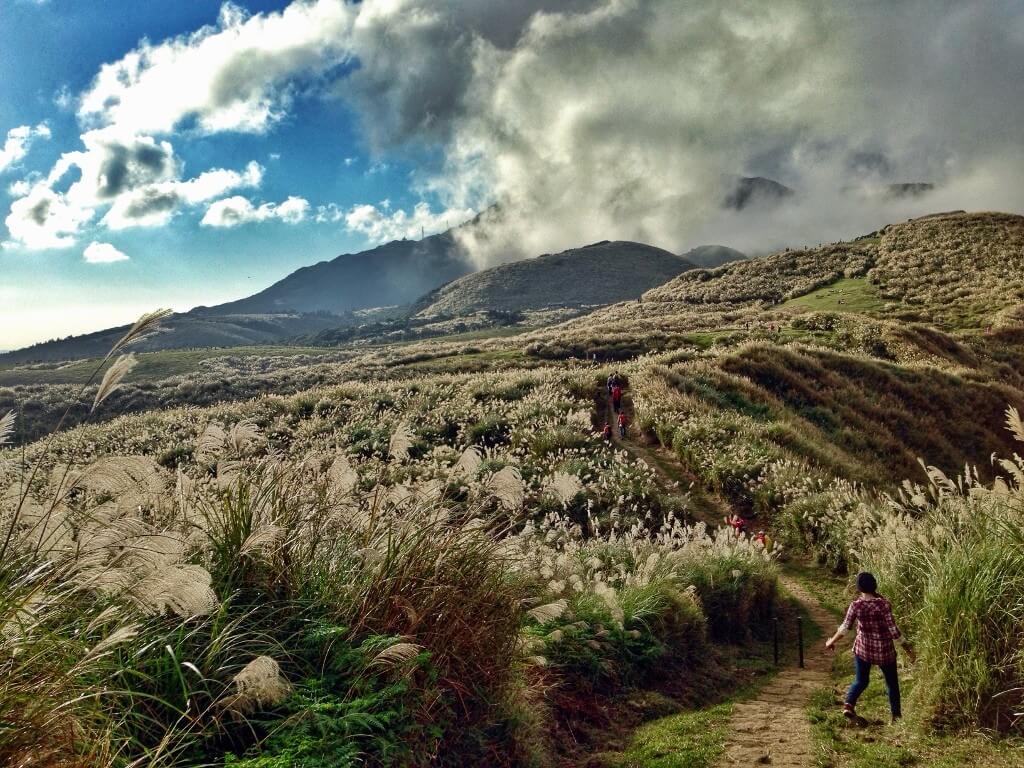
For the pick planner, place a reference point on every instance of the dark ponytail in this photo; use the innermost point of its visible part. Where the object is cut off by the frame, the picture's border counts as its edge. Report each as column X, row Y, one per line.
column 867, row 583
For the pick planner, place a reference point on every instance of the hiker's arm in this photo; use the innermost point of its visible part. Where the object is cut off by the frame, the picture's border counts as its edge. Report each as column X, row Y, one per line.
column 835, row 638
column 851, row 616
column 894, row 632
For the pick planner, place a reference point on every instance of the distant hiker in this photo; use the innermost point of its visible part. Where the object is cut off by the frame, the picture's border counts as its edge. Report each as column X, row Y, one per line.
column 622, row 424
column 876, row 631
column 617, row 397
column 607, row 432
column 737, row 523
column 610, row 383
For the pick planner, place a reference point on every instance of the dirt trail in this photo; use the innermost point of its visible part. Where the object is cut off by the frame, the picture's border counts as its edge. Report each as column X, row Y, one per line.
column 772, row 728
column 705, row 507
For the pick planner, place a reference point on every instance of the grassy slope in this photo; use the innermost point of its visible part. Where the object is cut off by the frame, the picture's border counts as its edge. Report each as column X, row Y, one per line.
column 886, row 391
column 150, row 365
column 601, row 273
column 845, row 295
column 806, row 387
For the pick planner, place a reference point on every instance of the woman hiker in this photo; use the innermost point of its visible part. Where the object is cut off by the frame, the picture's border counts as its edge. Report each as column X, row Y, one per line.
column 876, row 631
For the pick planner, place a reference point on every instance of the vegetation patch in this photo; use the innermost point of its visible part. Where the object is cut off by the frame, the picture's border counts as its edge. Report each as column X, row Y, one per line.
column 851, row 294
column 686, row 740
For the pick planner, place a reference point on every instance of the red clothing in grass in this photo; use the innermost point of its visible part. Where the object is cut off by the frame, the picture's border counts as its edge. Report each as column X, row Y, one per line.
column 876, row 630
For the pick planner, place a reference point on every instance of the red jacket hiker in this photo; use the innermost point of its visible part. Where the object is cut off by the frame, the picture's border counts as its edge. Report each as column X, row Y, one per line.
column 622, row 424
column 606, row 433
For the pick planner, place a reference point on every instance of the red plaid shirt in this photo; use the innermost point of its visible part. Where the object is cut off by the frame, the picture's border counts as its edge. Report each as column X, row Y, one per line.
column 876, row 629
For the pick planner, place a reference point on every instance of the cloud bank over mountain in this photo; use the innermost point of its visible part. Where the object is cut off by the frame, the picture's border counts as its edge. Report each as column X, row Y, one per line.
column 617, row 119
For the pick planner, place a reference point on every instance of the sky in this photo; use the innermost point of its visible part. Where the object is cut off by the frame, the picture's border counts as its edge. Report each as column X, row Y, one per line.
column 177, row 154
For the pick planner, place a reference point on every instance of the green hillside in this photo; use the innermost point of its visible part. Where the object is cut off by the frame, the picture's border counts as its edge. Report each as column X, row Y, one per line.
column 425, row 553
column 602, row 273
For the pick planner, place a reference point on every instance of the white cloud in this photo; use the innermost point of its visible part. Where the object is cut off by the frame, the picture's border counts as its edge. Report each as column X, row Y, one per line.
column 63, row 99
column 329, row 214
column 378, row 224
column 238, row 210
column 18, row 142
column 236, row 75
column 21, row 187
column 44, row 219
column 102, row 253
column 135, row 179
column 154, row 204
column 592, row 118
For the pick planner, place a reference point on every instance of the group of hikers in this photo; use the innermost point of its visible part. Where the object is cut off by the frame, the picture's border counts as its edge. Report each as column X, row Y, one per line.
column 740, row 525
column 615, row 384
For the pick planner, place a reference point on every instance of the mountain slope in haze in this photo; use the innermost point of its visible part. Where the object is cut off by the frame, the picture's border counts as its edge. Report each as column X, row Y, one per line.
column 392, row 274
column 179, row 331
column 909, row 189
column 601, row 273
column 711, row 256
column 307, row 301
column 755, row 191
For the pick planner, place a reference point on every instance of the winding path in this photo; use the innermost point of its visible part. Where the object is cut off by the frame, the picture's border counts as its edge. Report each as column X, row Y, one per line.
column 772, row 728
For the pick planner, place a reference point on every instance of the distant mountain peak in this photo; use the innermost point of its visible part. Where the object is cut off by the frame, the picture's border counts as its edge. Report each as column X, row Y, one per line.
column 395, row 272
column 909, row 189
column 600, row 273
column 711, row 256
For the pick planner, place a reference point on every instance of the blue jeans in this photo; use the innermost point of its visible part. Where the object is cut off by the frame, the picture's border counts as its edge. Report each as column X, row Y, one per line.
column 863, row 675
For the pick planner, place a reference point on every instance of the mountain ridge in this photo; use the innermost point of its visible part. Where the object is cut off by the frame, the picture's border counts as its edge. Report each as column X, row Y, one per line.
column 600, row 273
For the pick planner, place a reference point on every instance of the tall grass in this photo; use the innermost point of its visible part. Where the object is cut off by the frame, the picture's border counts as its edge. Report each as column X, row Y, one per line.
column 953, row 557
column 259, row 609
column 950, row 556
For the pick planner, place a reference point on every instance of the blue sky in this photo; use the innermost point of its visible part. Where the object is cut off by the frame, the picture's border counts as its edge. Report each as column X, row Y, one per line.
column 315, row 152
column 183, row 153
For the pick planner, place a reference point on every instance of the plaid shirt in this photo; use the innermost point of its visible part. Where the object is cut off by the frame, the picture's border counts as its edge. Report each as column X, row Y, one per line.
column 876, row 629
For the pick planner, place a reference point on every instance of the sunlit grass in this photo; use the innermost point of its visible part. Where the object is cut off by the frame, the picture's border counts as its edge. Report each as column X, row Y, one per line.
column 845, row 295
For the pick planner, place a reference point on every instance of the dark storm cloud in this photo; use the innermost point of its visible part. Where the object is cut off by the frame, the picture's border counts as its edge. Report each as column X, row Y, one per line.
column 626, row 119
column 416, row 61
column 40, row 212
column 127, row 165
column 150, row 202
